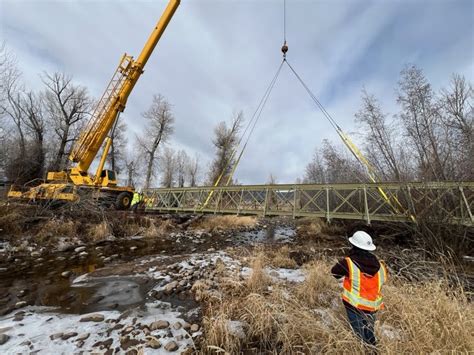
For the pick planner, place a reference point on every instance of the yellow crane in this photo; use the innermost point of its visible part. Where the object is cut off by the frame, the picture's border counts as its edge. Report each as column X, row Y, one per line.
column 75, row 182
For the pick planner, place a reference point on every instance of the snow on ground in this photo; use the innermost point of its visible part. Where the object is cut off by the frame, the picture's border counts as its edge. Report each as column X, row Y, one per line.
column 34, row 331
column 279, row 235
column 282, row 274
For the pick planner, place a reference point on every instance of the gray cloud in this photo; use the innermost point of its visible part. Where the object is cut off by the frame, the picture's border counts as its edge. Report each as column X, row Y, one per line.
column 217, row 57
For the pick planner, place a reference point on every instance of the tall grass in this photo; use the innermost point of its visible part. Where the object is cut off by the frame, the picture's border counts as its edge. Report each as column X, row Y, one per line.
column 423, row 317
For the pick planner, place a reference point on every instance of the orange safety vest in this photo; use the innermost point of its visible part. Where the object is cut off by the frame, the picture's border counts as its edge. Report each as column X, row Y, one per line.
column 364, row 291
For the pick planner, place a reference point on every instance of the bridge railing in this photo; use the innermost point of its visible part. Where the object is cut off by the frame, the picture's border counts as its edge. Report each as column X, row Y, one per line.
column 450, row 202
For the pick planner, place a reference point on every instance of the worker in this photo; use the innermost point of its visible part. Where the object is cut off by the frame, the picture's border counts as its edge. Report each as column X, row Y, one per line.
column 363, row 276
column 136, row 201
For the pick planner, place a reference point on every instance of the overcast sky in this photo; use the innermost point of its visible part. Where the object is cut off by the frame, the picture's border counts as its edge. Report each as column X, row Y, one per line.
column 218, row 56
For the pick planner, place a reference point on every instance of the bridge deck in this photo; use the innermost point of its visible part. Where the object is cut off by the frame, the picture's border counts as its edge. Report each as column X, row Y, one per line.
column 450, row 202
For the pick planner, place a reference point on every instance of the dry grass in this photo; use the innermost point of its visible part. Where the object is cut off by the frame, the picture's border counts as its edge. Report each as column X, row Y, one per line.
column 220, row 223
column 10, row 221
column 310, row 318
column 158, row 228
column 56, row 228
column 281, row 258
column 314, row 229
column 258, row 280
column 99, row 231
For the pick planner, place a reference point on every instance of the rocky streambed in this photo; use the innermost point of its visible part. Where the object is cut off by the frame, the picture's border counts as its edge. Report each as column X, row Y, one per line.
column 119, row 296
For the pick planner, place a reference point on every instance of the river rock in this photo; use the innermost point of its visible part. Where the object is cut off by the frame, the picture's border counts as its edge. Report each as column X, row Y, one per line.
column 126, row 342
column 153, row 343
column 83, row 253
column 186, row 326
column 133, row 248
column 127, row 330
column 182, row 283
column 106, row 343
column 83, row 337
column 35, row 254
column 161, row 324
column 66, row 274
column 177, row 325
column 194, row 328
column 68, row 335
column 55, row 336
column 171, row 346
column 4, row 338
column 20, row 304
column 97, row 317
column 171, row 286
column 80, row 249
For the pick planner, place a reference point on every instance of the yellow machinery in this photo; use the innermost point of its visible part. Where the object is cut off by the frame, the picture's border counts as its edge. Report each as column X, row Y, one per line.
column 74, row 183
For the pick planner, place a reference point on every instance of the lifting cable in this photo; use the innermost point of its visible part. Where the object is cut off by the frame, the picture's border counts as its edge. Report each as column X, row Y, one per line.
column 252, row 123
column 390, row 198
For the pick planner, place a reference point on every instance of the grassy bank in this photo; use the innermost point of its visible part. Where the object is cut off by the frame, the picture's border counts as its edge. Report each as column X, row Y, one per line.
column 262, row 315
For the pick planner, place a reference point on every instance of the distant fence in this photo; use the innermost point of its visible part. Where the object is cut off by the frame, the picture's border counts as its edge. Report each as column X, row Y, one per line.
column 451, row 202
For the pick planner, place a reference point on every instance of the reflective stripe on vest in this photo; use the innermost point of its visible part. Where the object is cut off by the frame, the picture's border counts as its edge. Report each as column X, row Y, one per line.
column 352, row 288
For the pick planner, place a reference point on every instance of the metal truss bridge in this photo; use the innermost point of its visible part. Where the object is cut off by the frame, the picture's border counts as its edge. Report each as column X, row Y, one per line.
column 450, row 202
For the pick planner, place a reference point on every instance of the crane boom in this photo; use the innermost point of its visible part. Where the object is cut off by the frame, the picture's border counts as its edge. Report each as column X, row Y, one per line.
column 75, row 183
column 115, row 97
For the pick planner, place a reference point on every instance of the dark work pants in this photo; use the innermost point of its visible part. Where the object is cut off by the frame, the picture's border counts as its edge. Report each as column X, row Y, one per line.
column 363, row 325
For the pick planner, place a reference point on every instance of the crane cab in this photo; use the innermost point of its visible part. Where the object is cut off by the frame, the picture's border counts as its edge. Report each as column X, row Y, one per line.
column 107, row 178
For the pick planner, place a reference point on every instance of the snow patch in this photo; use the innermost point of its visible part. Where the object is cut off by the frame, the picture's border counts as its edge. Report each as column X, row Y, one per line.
column 41, row 322
column 278, row 274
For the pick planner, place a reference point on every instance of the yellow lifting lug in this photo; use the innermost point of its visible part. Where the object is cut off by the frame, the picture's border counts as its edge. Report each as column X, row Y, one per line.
column 284, row 49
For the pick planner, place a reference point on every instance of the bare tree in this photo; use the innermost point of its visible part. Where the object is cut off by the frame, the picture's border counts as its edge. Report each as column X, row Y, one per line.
column 421, row 120
column 315, row 170
column 192, row 170
column 168, row 165
column 272, row 180
column 182, row 161
column 132, row 165
column 331, row 164
column 158, row 130
column 9, row 75
column 26, row 161
column 225, row 141
column 34, row 121
column 116, row 157
column 379, row 138
column 67, row 105
column 457, row 107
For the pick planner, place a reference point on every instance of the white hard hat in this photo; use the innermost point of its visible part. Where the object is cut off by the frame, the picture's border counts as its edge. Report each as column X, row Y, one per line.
column 362, row 240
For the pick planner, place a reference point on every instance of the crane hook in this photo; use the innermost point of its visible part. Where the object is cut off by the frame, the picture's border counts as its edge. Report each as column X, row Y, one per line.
column 284, row 49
